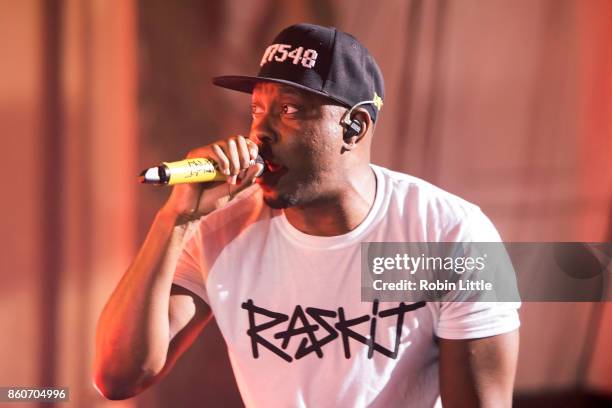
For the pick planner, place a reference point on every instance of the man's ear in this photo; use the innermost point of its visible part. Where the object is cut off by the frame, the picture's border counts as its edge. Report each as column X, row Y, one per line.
column 364, row 123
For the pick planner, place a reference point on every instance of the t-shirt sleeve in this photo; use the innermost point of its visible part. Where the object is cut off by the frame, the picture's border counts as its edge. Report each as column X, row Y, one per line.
column 468, row 320
column 188, row 273
column 471, row 320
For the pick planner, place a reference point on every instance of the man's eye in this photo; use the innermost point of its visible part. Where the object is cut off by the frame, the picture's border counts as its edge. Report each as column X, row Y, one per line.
column 289, row 109
column 256, row 109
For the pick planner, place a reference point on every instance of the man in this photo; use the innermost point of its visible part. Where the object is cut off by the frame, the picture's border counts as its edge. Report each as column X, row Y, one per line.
column 276, row 259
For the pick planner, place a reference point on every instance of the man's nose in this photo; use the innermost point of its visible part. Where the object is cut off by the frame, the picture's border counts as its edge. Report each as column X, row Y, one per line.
column 261, row 138
column 263, row 131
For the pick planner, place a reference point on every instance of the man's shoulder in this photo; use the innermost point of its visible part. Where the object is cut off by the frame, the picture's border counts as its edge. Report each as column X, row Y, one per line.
column 414, row 191
column 441, row 214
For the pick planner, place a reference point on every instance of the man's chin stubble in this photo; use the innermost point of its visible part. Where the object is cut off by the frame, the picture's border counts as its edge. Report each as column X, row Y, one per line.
column 280, row 202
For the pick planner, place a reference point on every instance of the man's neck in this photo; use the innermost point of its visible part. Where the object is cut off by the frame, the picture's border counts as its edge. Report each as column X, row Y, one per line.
column 339, row 215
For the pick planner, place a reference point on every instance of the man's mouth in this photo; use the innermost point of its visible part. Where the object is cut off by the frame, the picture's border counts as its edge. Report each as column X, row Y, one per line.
column 272, row 166
column 274, row 172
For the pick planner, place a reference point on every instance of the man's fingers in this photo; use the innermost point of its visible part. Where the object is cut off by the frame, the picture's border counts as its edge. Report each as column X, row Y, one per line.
column 234, row 160
column 248, row 176
column 221, row 159
column 233, row 156
column 243, row 152
column 253, row 149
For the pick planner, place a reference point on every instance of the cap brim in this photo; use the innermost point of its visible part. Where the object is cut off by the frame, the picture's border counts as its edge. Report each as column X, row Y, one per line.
column 246, row 84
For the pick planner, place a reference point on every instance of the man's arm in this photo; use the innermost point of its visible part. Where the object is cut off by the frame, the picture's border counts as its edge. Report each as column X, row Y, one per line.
column 188, row 315
column 478, row 372
column 148, row 322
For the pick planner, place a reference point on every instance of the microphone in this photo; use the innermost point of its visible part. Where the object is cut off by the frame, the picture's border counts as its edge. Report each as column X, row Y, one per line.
column 197, row 170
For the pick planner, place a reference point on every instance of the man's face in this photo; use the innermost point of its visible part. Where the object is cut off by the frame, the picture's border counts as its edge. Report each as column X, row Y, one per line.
column 300, row 138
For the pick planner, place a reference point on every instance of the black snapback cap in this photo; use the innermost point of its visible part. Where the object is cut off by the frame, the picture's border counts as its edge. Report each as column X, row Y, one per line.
column 322, row 60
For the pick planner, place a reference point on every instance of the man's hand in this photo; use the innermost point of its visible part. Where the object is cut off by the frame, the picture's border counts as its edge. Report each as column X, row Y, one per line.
column 234, row 156
column 478, row 372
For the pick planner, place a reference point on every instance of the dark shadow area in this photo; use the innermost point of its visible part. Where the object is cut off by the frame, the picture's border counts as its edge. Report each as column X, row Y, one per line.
column 562, row 399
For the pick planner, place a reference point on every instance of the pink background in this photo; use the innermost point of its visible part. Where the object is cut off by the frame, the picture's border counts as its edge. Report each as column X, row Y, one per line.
column 505, row 103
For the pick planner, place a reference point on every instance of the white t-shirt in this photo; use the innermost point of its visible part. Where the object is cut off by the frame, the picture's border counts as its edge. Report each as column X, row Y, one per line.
column 288, row 304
